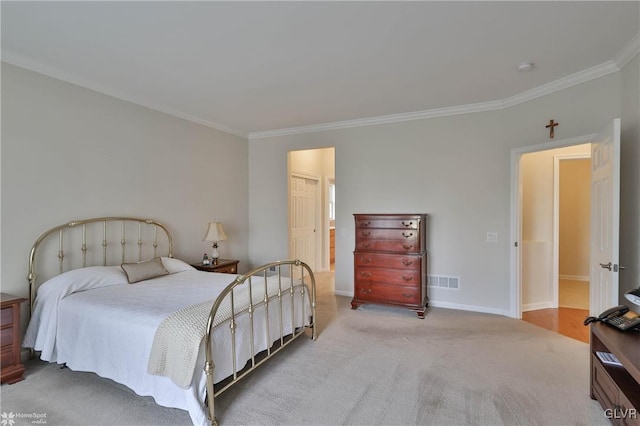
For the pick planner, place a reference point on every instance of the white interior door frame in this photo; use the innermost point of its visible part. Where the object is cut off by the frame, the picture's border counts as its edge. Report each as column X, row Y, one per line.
column 556, row 220
column 515, row 309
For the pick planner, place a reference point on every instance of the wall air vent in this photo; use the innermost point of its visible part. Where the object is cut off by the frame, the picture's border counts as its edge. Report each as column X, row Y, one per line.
column 443, row 281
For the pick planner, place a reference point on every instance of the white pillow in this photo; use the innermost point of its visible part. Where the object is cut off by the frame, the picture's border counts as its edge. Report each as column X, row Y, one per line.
column 176, row 265
column 41, row 333
column 146, row 270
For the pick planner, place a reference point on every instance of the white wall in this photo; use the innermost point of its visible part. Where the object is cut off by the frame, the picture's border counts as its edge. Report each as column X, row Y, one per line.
column 455, row 168
column 71, row 153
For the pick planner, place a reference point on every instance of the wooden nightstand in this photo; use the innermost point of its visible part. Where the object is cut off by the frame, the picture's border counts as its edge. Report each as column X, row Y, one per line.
column 12, row 368
column 225, row 266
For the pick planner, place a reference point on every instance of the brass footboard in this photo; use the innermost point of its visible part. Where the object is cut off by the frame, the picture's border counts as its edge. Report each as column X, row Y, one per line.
column 256, row 280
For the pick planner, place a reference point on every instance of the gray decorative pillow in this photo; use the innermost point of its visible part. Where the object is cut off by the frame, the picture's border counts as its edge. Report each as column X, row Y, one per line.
column 144, row 270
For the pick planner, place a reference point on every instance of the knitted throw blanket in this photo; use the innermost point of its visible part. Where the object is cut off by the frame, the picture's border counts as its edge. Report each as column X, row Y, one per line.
column 177, row 341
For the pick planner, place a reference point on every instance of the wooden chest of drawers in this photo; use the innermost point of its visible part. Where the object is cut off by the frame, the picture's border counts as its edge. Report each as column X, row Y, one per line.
column 390, row 261
column 12, row 368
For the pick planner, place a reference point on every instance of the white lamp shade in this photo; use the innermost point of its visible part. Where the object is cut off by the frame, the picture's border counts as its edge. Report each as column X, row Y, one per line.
column 633, row 296
column 215, row 232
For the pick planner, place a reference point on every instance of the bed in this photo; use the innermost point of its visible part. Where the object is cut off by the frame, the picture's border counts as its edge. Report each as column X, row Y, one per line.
column 124, row 308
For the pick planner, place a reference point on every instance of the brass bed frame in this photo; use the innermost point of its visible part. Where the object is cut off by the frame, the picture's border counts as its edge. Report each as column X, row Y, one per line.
column 145, row 232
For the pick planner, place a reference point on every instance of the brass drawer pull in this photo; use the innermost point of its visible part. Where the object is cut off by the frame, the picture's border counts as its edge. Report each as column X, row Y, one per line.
column 366, row 274
column 366, row 234
column 407, row 279
column 407, row 247
column 365, row 259
column 407, row 235
column 365, row 290
column 406, row 262
column 365, row 224
column 407, row 295
column 407, row 224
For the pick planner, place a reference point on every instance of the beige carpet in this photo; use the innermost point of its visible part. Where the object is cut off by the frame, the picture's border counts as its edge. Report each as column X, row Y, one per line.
column 372, row 366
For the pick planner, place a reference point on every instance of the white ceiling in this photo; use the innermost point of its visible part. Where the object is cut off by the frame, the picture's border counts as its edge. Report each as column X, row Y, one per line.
column 262, row 68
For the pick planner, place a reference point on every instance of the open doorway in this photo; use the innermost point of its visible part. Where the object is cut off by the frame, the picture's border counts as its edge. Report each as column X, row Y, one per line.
column 605, row 218
column 555, row 245
column 311, row 174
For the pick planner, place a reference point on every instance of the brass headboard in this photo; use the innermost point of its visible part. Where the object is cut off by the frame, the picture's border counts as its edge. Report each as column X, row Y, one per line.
column 103, row 251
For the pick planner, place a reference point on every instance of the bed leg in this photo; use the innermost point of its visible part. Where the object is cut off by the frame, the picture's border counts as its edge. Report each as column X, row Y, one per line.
column 208, row 369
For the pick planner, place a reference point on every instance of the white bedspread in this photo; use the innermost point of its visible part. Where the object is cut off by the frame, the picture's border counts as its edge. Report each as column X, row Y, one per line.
column 177, row 339
column 109, row 330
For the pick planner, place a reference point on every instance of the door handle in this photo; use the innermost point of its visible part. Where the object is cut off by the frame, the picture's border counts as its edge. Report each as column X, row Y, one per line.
column 606, row 265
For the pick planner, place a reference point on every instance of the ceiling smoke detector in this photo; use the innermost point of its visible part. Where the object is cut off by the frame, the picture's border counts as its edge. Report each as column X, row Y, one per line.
column 525, row 66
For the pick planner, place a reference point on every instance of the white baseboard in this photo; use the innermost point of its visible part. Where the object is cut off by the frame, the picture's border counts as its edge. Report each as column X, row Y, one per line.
column 574, row 277
column 447, row 305
column 472, row 308
column 536, row 306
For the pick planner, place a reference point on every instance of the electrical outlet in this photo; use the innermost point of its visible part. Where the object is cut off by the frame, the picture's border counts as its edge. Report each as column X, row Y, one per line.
column 343, row 232
column 492, row 237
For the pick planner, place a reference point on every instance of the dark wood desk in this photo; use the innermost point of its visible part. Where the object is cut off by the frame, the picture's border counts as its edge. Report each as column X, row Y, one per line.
column 617, row 388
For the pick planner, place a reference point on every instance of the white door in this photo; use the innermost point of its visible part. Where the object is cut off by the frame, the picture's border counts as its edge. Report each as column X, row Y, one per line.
column 303, row 220
column 605, row 218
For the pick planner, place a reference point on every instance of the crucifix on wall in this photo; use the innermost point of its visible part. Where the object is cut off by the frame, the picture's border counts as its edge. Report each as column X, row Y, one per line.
column 552, row 124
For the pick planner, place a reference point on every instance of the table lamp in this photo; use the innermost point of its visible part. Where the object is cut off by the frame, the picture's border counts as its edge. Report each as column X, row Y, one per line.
column 633, row 296
column 215, row 233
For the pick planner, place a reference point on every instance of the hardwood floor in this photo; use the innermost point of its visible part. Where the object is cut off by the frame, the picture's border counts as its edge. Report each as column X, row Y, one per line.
column 569, row 317
column 566, row 321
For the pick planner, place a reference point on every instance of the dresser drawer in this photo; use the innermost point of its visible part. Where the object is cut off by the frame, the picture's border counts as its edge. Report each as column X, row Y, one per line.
column 387, row 234
column 232, row 269
column 603, row 384
column 395, row 246
column 6, row 336
column 394, row 261
column 390, row 222
column 6, row 317
column 625, row 406
column 387, row 294
column 395, row 277
column 6, row 357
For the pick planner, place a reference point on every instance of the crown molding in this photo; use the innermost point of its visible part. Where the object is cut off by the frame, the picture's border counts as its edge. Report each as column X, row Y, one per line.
column 562, row 83
column 626, row 54
column 37, row 67
column 383, row 119
column 630, row 51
